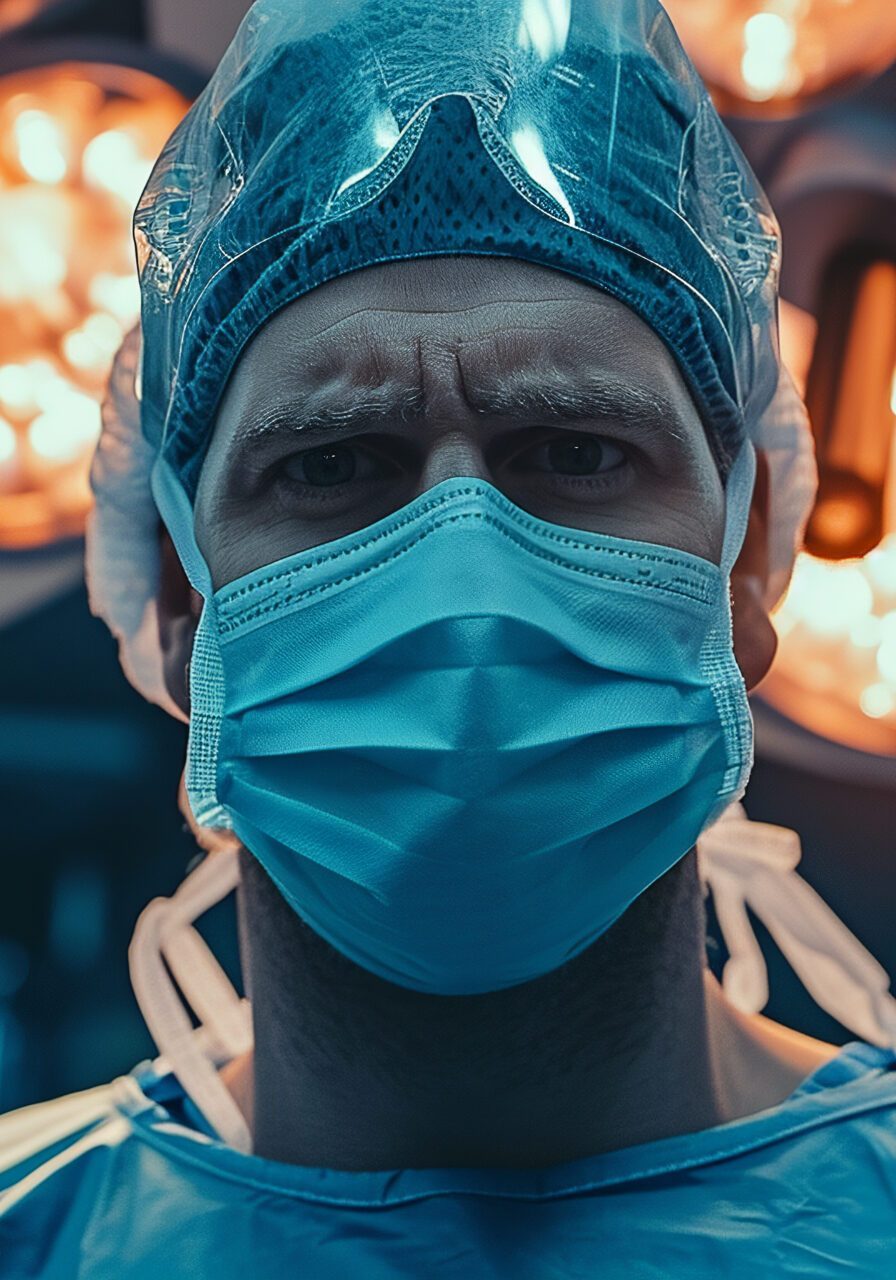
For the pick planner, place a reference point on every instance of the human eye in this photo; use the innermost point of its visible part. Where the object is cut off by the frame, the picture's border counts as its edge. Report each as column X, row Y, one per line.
column 543, row 465
column 332, row 468
column 575, row 454
column 356, row 473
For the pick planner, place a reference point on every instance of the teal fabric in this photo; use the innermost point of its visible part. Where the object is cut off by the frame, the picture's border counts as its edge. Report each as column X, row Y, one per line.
column 463, row 740
column 118, row 1184
column 575, row 134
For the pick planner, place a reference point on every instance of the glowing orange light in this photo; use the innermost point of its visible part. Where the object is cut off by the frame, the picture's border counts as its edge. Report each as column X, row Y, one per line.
column 113, row 162
column 9, row 449
column 773, row 55
column 41, row 146
column 836, row 666
column 35, row 241
column 835, row 671
column 76, row 146
column 14, row 12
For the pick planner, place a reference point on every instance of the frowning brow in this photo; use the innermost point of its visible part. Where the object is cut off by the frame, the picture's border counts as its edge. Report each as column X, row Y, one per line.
column 523, row 396
column 601, row 397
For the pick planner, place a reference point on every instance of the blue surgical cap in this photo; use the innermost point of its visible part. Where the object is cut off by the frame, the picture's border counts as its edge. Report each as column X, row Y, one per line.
column 340, row 133
column 572, row 133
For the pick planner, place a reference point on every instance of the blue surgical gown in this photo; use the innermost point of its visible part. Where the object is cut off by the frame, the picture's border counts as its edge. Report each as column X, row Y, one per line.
column 122, row 1183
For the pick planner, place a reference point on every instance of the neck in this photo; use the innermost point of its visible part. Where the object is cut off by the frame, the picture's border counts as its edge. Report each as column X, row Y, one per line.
column 613, row 1049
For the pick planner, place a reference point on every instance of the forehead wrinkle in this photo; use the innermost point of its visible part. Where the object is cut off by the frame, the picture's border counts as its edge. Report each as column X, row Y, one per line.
column 293, row 314
column 329, row 387
column 620, row 346
column 495, row 375
column 520, row 393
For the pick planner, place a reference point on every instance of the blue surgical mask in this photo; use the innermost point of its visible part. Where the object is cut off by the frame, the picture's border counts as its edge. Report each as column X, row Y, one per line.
column 463, row 740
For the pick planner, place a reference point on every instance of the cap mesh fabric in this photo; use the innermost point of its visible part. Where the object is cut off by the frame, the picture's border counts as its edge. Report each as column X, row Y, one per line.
column 450, row 198
column 573, row 133
column 291, row 167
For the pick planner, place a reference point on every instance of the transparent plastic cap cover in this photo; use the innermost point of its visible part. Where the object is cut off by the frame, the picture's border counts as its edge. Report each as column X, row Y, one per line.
column 588, row 112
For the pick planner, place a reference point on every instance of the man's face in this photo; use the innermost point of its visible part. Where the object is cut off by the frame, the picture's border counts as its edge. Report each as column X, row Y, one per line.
column 374, row 387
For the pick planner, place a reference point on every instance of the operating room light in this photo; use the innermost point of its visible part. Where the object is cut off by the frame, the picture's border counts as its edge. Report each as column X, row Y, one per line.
column 835, row 671
column 113, row 162
column 769, row 56
column 77, row 142
column 41, row 146
column 767, row 65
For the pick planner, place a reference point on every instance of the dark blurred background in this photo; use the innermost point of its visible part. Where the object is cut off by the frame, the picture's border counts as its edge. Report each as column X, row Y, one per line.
column 89, row 771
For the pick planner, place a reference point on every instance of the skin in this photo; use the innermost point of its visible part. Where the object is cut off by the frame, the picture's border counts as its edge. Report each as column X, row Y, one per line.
column 457, row 359
column 511, row 324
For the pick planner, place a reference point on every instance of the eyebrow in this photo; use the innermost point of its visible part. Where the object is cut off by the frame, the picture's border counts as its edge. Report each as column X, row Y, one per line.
column 601, row 396
column 585, row 396
column 362, row 407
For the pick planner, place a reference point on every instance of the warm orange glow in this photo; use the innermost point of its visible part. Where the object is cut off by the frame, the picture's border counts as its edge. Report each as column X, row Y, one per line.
column 35, row 242
column 41, row 146
column 798, row 332
column 835, row 671
column 848, row 394
column 836, row 666
column 775, row 54
column 9, row 450
column 76, row 146
column 14, row 12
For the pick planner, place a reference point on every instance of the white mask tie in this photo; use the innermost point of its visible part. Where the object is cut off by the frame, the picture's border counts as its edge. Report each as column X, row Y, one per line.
column 753, row 864
column 169, row 963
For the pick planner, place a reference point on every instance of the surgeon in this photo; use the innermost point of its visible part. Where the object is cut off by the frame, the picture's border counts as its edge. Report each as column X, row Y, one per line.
column 445, row 492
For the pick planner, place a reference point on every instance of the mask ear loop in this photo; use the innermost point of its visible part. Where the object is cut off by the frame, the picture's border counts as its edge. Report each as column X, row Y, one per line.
column 753, row 864
column 165, row 947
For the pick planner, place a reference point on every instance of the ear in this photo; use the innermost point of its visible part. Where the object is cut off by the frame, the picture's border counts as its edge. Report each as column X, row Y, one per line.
column 179, row 607
column 755, row 639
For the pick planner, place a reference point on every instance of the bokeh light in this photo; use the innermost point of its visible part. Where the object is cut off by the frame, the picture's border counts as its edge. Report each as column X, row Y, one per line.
column 77, row 142
column 771, row 56
column 835, row 670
